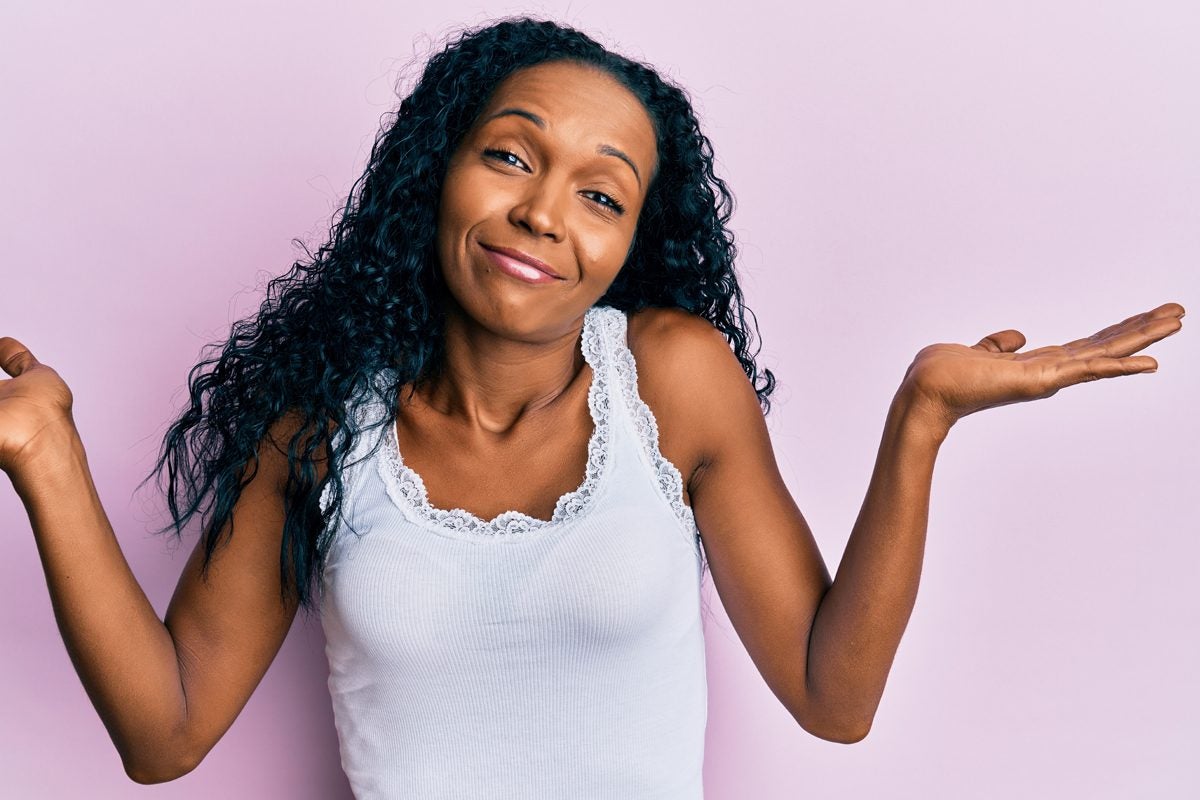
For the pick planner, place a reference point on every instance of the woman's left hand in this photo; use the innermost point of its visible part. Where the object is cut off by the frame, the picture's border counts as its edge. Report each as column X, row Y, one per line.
column 953, row 380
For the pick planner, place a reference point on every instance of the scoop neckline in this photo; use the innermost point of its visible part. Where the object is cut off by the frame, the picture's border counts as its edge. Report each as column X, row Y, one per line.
column 407, row 488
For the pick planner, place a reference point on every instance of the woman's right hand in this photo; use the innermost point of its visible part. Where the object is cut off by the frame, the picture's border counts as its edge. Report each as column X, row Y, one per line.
column 35, row 408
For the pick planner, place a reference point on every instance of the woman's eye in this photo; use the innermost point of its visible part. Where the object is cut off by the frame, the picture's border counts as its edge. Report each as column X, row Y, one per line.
column 511, row 159
column 506, row 157
column 608, row 202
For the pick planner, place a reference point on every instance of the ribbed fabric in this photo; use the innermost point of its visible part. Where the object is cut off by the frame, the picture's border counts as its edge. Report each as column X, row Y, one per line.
column 518, row 657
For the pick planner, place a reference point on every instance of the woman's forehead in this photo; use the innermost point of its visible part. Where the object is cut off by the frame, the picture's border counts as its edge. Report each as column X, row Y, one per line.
column 575, row 100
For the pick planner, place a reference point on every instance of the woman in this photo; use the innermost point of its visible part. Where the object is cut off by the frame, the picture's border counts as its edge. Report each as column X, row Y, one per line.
column 501, row 424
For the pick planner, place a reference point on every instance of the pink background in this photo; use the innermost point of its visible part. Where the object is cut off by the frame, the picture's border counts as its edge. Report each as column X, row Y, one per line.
column 906, row 174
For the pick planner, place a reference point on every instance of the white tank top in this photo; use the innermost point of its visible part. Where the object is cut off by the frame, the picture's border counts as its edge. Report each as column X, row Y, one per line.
column 518, row 657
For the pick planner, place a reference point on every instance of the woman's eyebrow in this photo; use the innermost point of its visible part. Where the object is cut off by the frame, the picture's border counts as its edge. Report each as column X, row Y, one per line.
column 602, row 149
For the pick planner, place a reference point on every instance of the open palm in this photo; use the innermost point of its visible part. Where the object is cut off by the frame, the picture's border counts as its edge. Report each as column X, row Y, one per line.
column 958, row 380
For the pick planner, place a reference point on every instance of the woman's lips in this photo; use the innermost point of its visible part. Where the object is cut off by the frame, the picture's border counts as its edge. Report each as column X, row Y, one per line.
column 518, row 269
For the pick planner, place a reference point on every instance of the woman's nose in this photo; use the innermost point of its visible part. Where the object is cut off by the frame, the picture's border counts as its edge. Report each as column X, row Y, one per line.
column 540, row 211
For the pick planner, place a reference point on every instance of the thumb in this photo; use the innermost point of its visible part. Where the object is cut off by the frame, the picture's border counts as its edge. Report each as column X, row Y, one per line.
column 15, row 357
column 1006, row 341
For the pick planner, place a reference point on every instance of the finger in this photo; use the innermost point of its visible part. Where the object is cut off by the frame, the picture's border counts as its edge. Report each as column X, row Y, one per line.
column 1169, row 309
column 1126, row 342
column 15, row 357
column 1166, row 311
column 1082, row 370
column 1006, row 341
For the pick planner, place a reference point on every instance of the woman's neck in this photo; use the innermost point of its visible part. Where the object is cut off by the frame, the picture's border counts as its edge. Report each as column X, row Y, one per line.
column 491, row 383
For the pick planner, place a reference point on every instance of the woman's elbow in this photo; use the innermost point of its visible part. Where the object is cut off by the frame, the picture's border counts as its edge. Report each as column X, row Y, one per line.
column 147, row 772
column 841, row 732
column 850, row 736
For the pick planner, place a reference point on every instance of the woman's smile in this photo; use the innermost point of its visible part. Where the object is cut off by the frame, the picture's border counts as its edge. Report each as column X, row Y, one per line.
column 517, row 265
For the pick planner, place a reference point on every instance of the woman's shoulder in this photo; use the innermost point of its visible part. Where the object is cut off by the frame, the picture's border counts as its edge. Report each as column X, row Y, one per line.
column 677, row 343
column 685, row 369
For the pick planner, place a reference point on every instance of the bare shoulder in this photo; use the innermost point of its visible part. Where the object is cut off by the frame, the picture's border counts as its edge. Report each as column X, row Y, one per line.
column 763, row 558
column 690, row 377
column 686, row 344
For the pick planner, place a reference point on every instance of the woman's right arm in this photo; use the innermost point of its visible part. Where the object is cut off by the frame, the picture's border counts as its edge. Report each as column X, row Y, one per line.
column 165, row 690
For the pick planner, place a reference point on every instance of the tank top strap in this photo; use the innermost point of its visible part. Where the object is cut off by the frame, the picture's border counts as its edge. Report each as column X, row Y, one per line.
column 614, row 323
column 409, row 491
column 614, row 402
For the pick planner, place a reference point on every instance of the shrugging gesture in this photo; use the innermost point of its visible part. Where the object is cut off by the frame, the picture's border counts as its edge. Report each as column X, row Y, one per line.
column 165, row 689
column 956, row 380
column 825, row 647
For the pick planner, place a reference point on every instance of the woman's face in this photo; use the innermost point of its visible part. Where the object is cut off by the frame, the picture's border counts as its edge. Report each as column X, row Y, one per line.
column 555, row 167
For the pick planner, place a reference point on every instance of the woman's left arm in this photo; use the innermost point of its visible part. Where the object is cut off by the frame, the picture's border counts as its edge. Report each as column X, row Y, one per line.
column 825, row 647
column 857, row 627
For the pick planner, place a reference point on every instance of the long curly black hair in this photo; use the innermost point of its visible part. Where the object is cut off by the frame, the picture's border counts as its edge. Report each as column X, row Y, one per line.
column 369, row 299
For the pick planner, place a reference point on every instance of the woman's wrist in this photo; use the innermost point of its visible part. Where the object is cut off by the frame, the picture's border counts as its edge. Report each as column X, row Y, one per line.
column 921, row 414
column 50, row 463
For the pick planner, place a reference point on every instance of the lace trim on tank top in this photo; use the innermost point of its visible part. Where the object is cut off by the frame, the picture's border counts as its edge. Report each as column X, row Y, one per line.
column 404, row 483
column 670, row 482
